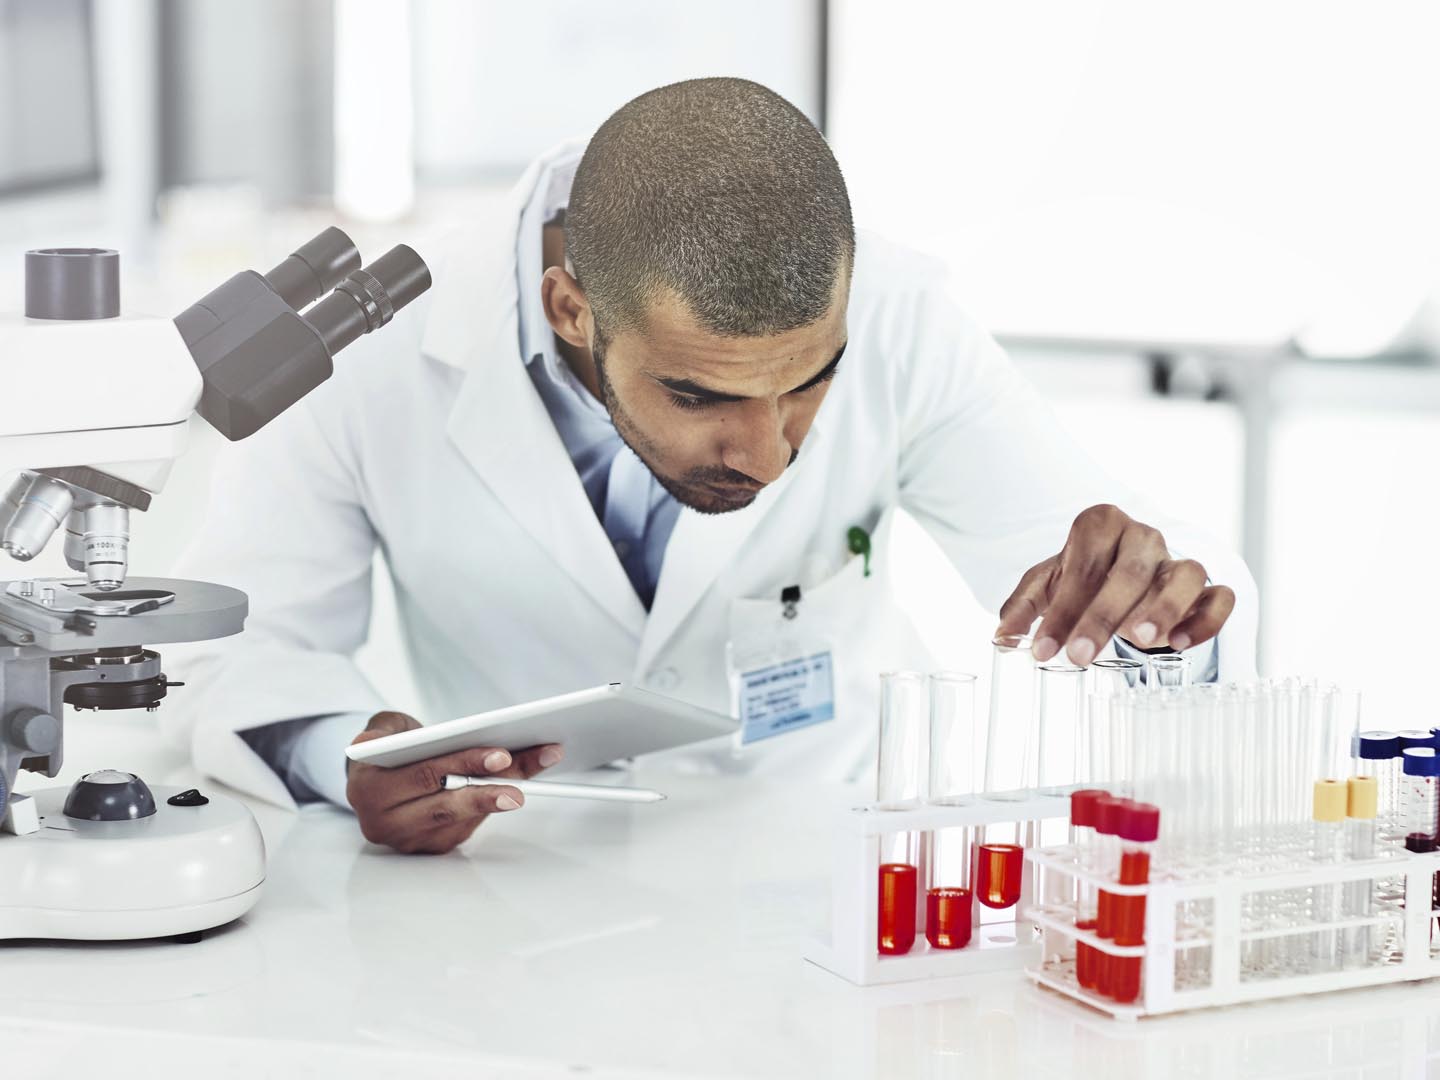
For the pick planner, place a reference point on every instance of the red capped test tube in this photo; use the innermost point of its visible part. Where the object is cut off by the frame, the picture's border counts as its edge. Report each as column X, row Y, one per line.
column 1139, row 828
column 898, row 882
column 1082, row 822
column 1108, row 812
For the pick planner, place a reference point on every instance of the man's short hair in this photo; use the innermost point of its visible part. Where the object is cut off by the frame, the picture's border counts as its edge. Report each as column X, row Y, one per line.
column 720, row 190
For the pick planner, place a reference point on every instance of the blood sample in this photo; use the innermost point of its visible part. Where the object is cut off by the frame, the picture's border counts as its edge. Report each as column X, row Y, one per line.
column 1082, row 822
column 998, row 874
column 1139, row 828
column 947, row 917
column 1108, row 812
column 897, row 908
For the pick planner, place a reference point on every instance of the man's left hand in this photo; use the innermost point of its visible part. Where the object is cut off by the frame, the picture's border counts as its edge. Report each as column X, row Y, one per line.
column 1114, row 576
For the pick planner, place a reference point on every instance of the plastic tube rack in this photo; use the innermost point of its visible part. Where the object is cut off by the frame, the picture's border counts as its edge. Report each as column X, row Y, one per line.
column 851, row 951
column 1399, row 939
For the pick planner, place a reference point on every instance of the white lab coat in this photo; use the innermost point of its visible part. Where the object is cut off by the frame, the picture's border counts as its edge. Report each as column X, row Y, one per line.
column 431, row 442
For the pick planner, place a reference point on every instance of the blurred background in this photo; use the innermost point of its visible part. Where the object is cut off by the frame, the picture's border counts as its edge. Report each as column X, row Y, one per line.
column 1210, row 234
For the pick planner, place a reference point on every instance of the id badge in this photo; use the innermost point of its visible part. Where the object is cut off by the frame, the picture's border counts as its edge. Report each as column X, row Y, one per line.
column 782, row 679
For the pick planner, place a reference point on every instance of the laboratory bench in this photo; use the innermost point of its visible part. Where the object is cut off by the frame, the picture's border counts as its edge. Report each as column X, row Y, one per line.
column 599, row 940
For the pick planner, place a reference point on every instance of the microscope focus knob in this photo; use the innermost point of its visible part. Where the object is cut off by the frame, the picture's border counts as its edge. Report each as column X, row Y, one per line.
column 109, row 795
column 33, row 731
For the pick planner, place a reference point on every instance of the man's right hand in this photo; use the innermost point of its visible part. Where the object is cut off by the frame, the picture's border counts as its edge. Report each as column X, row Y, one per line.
column 405, row 808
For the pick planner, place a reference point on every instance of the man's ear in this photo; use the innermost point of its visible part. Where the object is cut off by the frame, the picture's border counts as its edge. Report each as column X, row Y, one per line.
column 566, row 308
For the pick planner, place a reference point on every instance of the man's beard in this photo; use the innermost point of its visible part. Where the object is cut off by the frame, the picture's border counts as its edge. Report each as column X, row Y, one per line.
column 697, row 489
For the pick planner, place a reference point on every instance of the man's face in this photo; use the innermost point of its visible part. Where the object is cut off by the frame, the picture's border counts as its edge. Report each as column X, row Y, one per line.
column 717, row 418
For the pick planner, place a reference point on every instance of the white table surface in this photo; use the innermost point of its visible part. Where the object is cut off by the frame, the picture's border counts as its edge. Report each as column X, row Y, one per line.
column 576, row 939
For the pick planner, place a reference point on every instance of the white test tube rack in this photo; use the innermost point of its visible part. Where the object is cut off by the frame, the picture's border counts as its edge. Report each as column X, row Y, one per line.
column 852, row 950
column 1409, row 929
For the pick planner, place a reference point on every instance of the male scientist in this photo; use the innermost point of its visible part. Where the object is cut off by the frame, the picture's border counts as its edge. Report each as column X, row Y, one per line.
column 655, row 406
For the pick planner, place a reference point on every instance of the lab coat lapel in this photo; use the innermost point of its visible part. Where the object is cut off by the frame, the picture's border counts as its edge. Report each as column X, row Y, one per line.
column 501, row 427
column 701, row 546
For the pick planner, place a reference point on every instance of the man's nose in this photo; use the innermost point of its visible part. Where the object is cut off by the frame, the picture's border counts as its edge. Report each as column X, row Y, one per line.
column 757, row 446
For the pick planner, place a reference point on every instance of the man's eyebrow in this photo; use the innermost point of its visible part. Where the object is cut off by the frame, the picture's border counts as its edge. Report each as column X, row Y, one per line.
column 690, row 388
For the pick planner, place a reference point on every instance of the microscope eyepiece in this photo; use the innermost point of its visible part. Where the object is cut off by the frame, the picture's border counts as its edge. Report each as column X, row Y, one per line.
column 368, row 299
column 314, row 268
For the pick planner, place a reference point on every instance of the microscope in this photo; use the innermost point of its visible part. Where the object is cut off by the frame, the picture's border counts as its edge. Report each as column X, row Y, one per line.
column 95, row 407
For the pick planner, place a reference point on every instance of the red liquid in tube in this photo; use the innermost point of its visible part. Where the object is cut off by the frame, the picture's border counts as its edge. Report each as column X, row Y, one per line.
column 1138, row 830
column 998, row 874
column 947, row 918
column 897, row 908
column 1108, row 813
column 1082, row 821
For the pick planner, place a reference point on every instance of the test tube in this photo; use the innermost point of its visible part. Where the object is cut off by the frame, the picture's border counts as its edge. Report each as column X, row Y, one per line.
column 1168, row 670
column 1061, row 715
column 1361, row 799
column 897, row 908
column 1327, row 844
column 1108, row 812
column 1378, row 756
column 900, row 765
column 1421, row 768
column 899, row 785
column 1139, row 829
column 1082, row 823
column 948, row 896
column 1010, row 743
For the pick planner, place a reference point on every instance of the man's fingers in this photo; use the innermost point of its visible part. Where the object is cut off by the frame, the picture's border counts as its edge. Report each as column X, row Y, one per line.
column 1205, row 618
column 385, row 723
column 390, row 787
column 409, row 821
column 1029, row 600
column 1139, row 555
column 534, row 760
column 1174, row 592
column 1084, row 564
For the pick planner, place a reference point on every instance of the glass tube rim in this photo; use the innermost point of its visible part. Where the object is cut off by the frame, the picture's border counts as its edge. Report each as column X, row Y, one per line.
column 956, row 677
column 1015, row 642
column 1061, row 667
column 1118, row 663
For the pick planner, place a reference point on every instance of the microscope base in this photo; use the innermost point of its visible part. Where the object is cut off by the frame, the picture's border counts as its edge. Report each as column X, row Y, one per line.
column 182, row 870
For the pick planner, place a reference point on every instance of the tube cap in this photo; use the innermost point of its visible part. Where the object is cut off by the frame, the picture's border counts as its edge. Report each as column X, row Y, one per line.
column 1379, row 745
column 1140, row 823
column 1328, row 803
column 1108, row 814
column 1362, row 797
column 1416, row 738
column 1421, row 761
column 1082, row 805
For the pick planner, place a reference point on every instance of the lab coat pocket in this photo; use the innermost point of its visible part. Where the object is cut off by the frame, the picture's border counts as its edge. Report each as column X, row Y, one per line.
column 846, row 628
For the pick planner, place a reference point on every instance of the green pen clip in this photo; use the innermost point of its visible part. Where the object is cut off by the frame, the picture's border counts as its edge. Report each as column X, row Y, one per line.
column 859, row 541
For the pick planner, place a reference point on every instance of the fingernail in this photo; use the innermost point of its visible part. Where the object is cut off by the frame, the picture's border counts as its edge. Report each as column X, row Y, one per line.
column 1180, row 642
column 550, row 755
column 1082, row 651
column 505, row 802
column 1045, row 648
column 1145, row 633
column 497, row 760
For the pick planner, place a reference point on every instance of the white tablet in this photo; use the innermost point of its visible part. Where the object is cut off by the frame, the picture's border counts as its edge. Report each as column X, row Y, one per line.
column 596, row 727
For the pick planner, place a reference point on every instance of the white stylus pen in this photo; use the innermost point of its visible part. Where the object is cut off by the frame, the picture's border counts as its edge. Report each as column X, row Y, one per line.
column 554, row 789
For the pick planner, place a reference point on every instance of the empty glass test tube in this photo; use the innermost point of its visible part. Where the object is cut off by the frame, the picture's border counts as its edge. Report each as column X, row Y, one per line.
column 1010, row 741
column 1327, row 845
column 1360, row 806
column 904, row 724
column 1061, row 720
column 1167, row 670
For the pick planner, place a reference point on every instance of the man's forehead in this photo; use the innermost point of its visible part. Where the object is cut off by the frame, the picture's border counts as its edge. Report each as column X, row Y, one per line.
column 672, row 342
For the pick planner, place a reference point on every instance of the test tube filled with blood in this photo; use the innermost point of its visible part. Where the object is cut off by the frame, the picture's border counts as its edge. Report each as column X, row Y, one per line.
column 998, row 873
column 897, row 908
column 1082, row 822
column 1107, row 824
column 1139, row 828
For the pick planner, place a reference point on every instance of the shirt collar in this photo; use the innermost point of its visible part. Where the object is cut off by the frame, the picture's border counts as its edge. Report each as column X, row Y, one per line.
column 548, row 198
